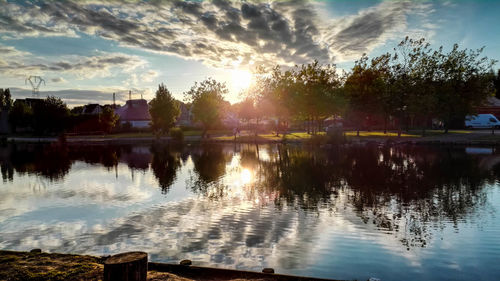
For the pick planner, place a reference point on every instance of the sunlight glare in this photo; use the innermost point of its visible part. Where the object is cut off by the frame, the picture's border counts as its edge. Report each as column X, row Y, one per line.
column 241, row 79
column 245, row 176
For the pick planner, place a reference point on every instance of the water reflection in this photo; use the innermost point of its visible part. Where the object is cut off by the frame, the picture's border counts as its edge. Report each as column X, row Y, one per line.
column 250, row 206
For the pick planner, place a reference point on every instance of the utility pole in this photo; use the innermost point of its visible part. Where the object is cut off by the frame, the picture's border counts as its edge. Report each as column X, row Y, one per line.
column 35, row 82
column 114, row 100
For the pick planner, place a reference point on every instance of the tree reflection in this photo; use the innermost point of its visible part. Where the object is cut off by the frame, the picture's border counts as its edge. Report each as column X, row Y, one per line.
column 403, row 190
column 52, row 162
column 391, row 187
column 209, row 165
column 166, row 161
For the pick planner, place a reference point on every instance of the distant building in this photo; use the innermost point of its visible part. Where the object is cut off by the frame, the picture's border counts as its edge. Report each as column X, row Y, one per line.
column 135, row 112
column 186, row 117
column 92, row 109
column 491, row 106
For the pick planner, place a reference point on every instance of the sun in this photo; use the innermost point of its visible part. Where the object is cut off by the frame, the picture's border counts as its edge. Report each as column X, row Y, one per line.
column 245, row 176
column 241, row 79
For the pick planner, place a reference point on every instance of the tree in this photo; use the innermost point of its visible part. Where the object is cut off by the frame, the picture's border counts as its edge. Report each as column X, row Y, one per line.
column 464, row 80
column 164, row 110
column 246, row 109
column 208, row 104
column 108, row 119
column 5, row 99
column 5, row 106
column 50, row 116
column 20, row 115
column 496, row 82
column 364, row 89
column 317, row 94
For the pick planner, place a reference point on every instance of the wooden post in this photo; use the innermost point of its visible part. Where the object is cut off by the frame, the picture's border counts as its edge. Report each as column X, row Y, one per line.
column 131, row 266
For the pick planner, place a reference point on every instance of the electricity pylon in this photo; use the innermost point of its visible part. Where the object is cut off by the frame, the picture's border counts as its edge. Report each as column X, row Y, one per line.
column 35, row 82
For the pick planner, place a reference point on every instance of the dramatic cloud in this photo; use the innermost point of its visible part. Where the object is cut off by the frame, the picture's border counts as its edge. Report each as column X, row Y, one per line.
column 362, row 32
column 220, row 33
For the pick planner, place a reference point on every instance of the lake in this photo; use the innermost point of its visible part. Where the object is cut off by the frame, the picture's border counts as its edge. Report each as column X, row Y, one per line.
column 403, row 212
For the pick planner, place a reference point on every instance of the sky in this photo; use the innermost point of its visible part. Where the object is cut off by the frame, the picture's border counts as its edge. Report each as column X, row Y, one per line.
column 86, row 50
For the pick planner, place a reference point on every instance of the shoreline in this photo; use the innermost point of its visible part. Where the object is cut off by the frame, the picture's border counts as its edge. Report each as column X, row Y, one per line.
column 472, row 138
column 40, row 266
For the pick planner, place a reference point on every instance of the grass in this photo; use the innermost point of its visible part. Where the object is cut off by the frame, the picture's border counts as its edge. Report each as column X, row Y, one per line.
column 43, row 266
column 23, row 266
column 379, row 134
column 303, row 137
column 294, row 136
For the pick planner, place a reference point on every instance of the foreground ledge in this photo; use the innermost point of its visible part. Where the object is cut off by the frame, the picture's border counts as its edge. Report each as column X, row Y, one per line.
column 37, row 265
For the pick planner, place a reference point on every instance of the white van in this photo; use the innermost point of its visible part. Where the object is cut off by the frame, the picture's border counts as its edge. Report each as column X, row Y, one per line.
column 481, row 121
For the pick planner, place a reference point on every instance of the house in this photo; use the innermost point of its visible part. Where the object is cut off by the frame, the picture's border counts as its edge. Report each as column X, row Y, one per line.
column 491, row 106
column 186, row 116
column 92, row 109
column 135, row 112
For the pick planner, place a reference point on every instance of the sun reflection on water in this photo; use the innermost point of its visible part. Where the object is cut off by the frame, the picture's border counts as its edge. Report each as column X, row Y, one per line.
column 245, row 176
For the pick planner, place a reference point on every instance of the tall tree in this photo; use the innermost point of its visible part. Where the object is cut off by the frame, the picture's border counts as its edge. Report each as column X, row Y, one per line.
column 50, row 116
column 108, row 119
column 208, row 104
column 464, row 81
column 20, row 115
column 5, row 99
column 317, row 94
column 364, row 89
column 164, row 110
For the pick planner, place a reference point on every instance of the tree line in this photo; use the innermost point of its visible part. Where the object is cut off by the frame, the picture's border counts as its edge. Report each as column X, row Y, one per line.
column 51, row 116
column 402, row 89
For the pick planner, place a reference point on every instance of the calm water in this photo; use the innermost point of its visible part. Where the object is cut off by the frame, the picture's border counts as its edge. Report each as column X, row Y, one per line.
column 395, row 213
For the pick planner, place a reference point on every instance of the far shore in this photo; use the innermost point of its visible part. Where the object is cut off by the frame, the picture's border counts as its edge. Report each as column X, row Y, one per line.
column 465, row 137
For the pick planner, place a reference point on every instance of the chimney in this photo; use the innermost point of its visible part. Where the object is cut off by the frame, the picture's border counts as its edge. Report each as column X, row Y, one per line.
column 114, row 101
column 129, row 95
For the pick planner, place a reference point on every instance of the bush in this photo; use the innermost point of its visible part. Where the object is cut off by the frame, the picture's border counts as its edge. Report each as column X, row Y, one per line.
column 177, row 134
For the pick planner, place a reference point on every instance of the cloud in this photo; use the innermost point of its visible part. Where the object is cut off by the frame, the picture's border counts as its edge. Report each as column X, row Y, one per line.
column 218, row 32
column 9, row 52
column 78, row 66
column 149, row 76
column 58, row 80
column 361, row 33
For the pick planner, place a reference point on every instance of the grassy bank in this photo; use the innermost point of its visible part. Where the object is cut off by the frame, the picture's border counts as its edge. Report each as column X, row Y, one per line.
column 38, row 266
column 415, row 136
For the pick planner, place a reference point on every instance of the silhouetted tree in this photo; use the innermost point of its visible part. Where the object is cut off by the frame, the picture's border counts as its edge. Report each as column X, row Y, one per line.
column 50, row 116
column 20, row 116
column 164, row 110
column 165, row 164
column 108, row 119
